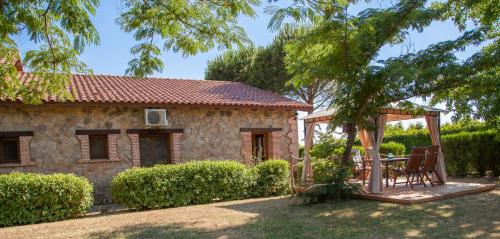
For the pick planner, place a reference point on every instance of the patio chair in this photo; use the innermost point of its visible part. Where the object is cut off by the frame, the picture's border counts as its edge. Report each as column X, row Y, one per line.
column 358, row 164
column 412, row 168
column 430, row 163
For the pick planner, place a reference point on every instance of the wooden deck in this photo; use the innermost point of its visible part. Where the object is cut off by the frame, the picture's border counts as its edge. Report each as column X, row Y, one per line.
column 420, row 194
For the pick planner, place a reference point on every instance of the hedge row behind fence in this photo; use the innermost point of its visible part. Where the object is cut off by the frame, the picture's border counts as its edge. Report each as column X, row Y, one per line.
column 198, row 182
column 30, row 198
column 468, row 152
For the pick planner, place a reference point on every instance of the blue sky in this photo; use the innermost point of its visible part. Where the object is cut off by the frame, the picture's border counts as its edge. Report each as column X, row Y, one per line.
column 113, row 54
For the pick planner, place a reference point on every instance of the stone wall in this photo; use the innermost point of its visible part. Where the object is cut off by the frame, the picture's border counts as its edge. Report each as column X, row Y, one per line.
column 209, row 133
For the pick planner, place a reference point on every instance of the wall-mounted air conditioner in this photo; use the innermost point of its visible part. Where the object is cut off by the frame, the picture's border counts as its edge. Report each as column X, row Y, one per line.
column 155, row 117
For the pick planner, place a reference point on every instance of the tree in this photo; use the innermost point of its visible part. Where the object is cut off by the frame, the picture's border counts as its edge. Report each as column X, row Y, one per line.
column 62, row 30
column 347, row 48
column 478, row 97
column 264, row 68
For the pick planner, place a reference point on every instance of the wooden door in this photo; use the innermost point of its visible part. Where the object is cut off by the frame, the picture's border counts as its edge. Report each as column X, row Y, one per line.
column 154, row 149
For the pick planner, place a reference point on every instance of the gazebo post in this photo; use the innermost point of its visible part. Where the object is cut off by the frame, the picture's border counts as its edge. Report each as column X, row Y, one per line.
column 439, row 125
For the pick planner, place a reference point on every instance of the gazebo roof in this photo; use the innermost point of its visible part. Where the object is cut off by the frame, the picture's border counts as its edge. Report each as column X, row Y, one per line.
column 393, row 114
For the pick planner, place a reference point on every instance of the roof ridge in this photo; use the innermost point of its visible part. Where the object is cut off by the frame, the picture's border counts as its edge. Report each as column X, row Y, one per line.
column 155, row 78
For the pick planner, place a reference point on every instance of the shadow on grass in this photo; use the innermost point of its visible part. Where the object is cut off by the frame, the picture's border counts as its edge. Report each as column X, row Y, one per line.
column 474, row 216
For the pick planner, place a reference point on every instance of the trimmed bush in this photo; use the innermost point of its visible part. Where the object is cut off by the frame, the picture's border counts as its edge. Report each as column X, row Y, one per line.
column 389, row 147
column 468, row 152
column 272, row 178
column 392, row 147
column 27, row 198
column 198, row 182
column 195, row 182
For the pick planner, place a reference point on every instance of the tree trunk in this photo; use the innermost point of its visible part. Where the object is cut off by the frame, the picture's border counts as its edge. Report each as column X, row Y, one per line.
column 351, row 136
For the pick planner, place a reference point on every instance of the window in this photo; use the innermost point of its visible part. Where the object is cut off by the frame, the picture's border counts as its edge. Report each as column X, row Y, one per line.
column 98, row 146
column 9, row 150
column 259, row 147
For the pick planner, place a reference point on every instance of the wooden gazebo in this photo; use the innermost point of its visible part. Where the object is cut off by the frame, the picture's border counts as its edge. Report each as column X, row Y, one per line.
column 373, row 138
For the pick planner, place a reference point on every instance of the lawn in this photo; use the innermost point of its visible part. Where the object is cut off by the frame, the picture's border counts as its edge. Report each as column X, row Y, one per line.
column 474, row 216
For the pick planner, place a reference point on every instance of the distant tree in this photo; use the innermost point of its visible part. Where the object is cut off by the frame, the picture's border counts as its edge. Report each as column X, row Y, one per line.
column 264, row 68
column 416, row 126
column 392, row 128
column 62, row 30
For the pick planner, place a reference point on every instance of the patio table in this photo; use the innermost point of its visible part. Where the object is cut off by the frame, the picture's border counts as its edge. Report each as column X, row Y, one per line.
column 390, row 160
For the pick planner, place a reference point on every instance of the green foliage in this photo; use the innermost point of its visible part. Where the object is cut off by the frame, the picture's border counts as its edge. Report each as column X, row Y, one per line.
column 479, row 97
column 180, row 184
column 410, row 140
column 272, row 178
column 392, row 147
column 335, row 186
column 468, row 152
column 264, row 68
column 197, row 182
column 27, row 198
column 328, row 171
column 327, row 147
column 365, row 83
column 188, row 27
column 420, row 137
column 61, row 30
column 260, row 67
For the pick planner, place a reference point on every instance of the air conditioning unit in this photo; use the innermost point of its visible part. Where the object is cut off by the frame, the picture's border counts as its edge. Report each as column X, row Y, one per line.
column 155, row 117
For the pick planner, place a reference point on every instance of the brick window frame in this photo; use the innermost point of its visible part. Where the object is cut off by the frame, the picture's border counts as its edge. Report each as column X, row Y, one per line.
column 175, row 135
column 112, row 137
column 23, row 144
column 273, row 136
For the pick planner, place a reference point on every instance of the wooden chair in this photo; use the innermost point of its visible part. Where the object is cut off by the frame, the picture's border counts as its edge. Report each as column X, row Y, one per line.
column 412, row 168
column 430, row 163
column 359, row 163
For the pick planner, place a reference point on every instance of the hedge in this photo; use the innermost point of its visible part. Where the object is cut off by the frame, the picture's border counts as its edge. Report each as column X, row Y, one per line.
column 197, row 182
column 468, row 152
column 390, row 147
column 420, row 137
column 272, row 178
column 27, row 198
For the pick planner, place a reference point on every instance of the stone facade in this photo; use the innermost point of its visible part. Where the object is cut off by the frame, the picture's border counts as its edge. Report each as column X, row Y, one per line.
column 208, row 133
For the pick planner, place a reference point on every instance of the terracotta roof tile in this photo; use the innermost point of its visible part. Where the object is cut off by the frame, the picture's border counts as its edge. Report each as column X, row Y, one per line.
column 159, row 91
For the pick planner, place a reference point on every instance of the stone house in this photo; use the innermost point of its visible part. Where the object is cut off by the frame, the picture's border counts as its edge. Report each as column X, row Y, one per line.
column 114, row 123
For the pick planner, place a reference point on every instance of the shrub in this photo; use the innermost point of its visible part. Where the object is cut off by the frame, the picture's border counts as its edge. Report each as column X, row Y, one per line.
column 337, row 186
column 327, row 147
column 468, row 152
column 181, row 184
column 272, row 178
column 198, row 182
column 392, row 147
column 27, row 198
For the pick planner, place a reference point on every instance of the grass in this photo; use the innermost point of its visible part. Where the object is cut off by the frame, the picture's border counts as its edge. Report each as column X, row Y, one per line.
column 474, row 216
